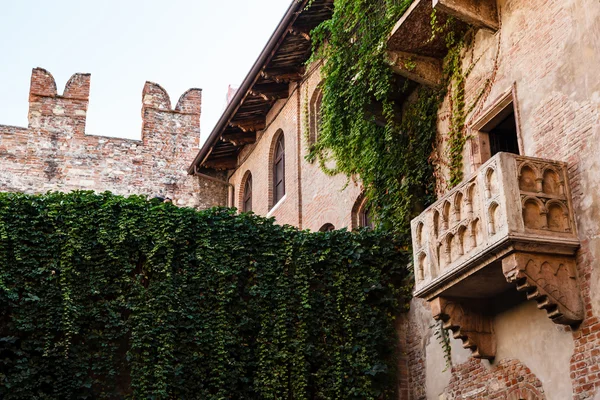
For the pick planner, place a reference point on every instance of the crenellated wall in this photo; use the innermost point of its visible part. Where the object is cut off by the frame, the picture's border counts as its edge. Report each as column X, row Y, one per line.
column 54, row 153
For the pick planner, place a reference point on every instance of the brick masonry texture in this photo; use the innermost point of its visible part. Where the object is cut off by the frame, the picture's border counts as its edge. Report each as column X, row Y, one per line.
column 312, row 198
column 548, row 52
column 510, row 379
column 54, row 153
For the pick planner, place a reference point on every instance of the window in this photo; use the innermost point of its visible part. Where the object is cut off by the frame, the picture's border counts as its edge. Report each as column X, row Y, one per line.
column 362, row 216
column 496, row 131
column 503, row 137
column 279, row 170
column 315, row 115
column 247, row 200
column 327, row 228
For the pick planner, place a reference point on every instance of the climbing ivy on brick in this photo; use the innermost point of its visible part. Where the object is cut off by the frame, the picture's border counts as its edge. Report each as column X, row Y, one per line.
column 360, row 126
column 106, row 297
column 391, row 157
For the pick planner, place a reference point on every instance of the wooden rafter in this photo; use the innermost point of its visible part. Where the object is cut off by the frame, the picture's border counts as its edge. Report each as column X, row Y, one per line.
column 250, row 125
column 298, row 32
column 221, row 162
column 270, row 92
column 240, row 138
column 284, row 75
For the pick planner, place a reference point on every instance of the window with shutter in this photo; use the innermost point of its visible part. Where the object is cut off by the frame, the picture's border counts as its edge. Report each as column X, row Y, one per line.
column 247, row 205
column 279, row 170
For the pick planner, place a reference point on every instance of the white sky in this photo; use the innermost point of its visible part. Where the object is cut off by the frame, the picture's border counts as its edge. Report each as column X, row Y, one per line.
column 178, row 44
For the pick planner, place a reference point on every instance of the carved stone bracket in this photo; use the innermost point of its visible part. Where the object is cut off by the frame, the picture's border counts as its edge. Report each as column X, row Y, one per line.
column 550, row 280
column 464, row 317
column 479, row 13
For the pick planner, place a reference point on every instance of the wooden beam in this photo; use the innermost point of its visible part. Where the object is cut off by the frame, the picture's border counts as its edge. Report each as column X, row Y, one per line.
column 283, row 75
column 221, row 163
column 297, row 32
column 240, row 138
column 264, row 96
column 250, row 125
column 424, row 70
column 271, row 92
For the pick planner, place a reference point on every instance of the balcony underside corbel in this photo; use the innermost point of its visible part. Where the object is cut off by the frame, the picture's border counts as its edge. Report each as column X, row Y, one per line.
column 424, row 70
column 550, row 280
column 468, row 322
column 477, row 13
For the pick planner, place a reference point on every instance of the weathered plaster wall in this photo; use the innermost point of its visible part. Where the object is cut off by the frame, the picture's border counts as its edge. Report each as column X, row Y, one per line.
column 528, row 335
column 549, row 51
column 54, row 153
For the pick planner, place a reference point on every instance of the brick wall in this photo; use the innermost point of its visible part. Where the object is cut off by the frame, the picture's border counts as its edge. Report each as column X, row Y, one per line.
column 549, row 51
column 510, row 379
column 312, row 198
column 54, row 153
column 257, row 159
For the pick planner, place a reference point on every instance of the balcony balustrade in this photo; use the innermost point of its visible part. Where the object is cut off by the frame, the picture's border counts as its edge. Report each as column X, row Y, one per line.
column 509, row 225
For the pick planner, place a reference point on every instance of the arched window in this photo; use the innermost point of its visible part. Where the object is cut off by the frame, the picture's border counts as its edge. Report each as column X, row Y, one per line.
column 315, row 115
column 364, row 217
column 247, row 200
column 327, row 228
column 279, row 170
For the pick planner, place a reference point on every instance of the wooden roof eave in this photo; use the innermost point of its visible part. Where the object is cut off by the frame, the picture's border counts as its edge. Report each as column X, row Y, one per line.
column 251, row 79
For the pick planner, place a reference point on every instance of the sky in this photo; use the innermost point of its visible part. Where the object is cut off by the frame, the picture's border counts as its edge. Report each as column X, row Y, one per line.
column 178, row 44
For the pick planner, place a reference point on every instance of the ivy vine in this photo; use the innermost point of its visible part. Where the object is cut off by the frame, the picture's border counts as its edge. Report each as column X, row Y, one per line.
column 396, row 160
column 105, row 297
column 358, row 127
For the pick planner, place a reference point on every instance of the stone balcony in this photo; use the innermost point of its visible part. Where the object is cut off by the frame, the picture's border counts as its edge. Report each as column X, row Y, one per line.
column 511, row 225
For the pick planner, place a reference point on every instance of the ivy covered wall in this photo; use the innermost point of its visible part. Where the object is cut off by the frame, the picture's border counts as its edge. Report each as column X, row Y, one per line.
column 364, row 127
column 109, row 297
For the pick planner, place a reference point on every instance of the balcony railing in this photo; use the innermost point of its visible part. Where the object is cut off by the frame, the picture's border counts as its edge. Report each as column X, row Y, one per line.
column 510, row 223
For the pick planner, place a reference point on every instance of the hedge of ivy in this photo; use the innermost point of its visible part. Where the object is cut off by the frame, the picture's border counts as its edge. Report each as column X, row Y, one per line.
column 105, row 297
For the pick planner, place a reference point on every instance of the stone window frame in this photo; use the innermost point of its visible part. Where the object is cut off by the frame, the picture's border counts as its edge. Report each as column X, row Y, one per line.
column 480, row 142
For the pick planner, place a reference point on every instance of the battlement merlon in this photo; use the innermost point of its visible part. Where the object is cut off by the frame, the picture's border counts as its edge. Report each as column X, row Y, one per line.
column 160, row 119
column 66, row 114
column 58, row 113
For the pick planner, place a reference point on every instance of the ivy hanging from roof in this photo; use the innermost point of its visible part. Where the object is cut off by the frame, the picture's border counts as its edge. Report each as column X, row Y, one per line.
column 360, row 128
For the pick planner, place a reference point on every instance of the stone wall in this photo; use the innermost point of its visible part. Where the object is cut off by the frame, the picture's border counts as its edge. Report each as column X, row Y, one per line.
column 54, row 153
column 547, row 52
